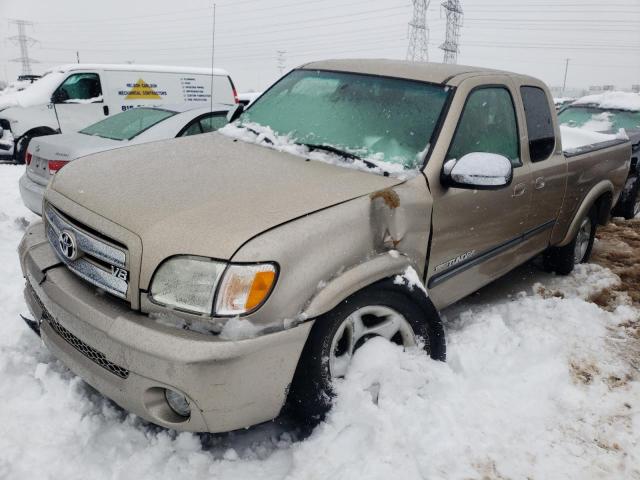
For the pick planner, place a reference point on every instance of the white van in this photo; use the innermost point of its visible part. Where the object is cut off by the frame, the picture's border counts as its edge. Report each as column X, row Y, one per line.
column 71, row 97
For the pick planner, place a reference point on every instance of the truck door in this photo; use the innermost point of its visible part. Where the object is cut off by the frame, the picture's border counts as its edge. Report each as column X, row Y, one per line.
column 78, row 102
column 476, row 233
column 548, row 164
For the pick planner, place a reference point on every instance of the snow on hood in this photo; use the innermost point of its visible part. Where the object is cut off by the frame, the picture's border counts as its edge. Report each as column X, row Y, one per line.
column 38, row 93
column 574, row 138
column 265, row 136
column 615, row 100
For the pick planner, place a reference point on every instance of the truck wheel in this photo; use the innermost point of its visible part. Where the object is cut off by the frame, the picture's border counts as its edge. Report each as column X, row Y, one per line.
column 382, row 310
column 629, row 204
column 561, row 260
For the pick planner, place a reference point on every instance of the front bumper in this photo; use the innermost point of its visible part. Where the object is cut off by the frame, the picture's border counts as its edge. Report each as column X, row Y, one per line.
column 132, row 359
column 32, row 194
column 7, row 146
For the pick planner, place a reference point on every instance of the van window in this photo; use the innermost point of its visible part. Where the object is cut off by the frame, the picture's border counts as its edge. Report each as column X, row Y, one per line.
column 488, row 124
column 542, row 139
column 79, row 88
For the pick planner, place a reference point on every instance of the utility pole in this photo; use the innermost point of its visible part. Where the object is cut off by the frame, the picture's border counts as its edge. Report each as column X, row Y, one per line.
column 418, row 50
column 452, row 37
column 281, row 61
column 24, row 42
column 566, row 70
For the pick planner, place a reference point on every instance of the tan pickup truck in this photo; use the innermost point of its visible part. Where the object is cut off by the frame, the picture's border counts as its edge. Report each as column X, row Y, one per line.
column 203, row 282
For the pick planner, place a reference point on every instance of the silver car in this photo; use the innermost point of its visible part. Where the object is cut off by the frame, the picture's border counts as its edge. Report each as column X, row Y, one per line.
column 46, row 155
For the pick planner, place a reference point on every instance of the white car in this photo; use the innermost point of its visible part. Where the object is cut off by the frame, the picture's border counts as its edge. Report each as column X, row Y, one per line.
column 46, row 155
column 70, row 97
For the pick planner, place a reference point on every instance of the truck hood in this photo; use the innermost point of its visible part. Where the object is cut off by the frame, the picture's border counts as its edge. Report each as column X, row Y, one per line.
column 207, row 194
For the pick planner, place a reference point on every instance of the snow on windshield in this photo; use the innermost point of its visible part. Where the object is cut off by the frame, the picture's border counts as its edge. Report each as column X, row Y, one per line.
column 265, row 136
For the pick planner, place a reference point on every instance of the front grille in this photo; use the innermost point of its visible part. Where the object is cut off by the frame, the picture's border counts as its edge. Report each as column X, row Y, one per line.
column 98, row 260
column 91, row 353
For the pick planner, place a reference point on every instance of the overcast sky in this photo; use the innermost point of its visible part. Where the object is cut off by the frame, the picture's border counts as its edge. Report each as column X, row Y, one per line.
column 601, row 39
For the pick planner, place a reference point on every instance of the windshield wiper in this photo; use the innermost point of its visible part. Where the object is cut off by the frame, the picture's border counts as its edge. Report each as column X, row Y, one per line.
column 257, row 133
column 342, row 153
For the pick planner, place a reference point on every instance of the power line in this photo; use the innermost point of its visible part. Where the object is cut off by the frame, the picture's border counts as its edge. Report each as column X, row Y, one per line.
column 452, row 36
column 418, row 50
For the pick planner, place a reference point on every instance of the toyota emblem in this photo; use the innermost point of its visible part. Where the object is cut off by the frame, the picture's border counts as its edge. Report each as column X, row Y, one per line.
column 68, row 245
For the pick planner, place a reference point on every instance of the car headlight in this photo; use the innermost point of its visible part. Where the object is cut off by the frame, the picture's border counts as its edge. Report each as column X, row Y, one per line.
column 191, row 283
column 187, row 283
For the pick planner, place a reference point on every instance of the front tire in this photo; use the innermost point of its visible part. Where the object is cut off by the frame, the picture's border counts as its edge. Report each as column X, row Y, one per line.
column 562, row 260
column 21, row 150
column 383, row 309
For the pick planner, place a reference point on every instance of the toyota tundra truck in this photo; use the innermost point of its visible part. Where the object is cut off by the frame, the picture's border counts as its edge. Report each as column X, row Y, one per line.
column 203, row 283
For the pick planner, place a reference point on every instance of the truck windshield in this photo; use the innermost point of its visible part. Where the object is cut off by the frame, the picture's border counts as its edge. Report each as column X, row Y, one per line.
column 599, row 119
column 389, row 120
column 129, row 124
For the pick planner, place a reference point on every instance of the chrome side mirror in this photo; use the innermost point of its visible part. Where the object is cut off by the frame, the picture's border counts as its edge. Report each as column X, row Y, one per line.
column 479, row 171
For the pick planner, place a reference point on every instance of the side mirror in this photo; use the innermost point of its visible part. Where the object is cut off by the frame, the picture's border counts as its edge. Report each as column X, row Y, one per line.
column 235, row 113
column 478, row 171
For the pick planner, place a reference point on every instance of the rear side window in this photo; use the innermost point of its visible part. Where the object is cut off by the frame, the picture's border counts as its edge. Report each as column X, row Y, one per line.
column 542, row 139
column 488, row 124
column 206, row 124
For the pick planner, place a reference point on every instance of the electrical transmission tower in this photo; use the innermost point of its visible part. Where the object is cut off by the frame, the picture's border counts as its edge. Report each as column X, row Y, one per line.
column 452, row 37
column 24, row 42
column 418, row 50
column 281, row 60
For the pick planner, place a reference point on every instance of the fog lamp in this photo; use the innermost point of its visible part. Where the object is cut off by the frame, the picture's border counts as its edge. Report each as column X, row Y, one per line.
column 178, row 403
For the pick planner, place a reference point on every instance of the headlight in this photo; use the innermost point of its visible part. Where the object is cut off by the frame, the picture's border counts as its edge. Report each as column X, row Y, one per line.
column 190, row 283
column 187, row 283
column 244, row 288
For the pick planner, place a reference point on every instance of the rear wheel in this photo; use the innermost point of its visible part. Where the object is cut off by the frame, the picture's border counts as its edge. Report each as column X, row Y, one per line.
column 629, row 204
column 383, row 310
column 562, row 260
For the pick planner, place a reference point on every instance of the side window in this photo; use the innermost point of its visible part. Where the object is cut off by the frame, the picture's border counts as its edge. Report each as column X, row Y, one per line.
column 542, row 139
column 213, row 122
column 193, row 129
column 79, row 88
column 488, row 124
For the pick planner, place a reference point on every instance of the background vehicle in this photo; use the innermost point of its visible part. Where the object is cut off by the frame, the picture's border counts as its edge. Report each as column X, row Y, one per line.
column 47, row 155
column 608, row 112
column 252, row 269
column 68, row 98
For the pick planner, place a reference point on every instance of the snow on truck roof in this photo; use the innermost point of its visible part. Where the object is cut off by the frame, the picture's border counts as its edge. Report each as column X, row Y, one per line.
column 614, row 100
column 131, row 67
column 421, row 71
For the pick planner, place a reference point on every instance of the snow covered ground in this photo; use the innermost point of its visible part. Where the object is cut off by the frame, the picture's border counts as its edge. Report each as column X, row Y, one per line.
column 540, row 383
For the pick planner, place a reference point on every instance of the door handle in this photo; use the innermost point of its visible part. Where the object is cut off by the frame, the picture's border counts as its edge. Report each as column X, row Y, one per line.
column 540, row 183
column 519, row 190
column 105, row 109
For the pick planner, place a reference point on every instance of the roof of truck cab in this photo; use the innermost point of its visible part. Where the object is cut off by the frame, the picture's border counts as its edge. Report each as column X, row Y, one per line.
column 131, row 67
column 422, row 71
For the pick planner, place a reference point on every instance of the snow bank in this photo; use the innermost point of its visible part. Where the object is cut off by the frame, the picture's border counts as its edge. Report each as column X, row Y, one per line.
column 575, row 138
column 537, row 385
column 615, row 100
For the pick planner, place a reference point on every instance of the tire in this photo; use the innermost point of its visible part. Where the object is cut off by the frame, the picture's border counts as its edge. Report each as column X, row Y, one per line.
column 562, row 260
column 21, row 150
column 629, row 204
column 311, row 392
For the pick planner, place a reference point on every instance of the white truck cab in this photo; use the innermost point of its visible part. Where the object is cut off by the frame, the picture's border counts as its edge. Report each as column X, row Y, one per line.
column 70, row 97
